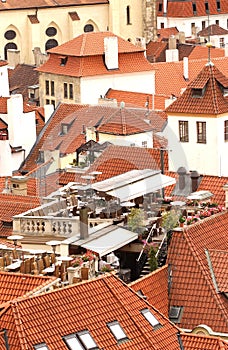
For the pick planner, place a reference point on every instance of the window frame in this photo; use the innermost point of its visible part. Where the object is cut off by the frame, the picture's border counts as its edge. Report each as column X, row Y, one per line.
column 128, row 15
column 72, row 336
column 71, row 91
column 225, row 130
column 152, row 319
column 41, row 346
column 183, row 131
column 47, row 87
column 81, row 334
column 115, row 323
column 201, row 130
column 65, row 90
column 52, row 88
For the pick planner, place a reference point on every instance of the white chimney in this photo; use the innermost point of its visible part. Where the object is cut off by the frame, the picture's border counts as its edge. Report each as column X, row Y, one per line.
column 185, row 67
column 111, row 52
column 165, row 6
column 15, row 118
column 48, row 110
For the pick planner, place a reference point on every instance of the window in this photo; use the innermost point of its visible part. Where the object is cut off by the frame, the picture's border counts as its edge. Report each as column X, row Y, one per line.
column 51, row 31
column 217, row 22
column 42, row 346
column 88, row 28
column 218, row 6
column 63, row 60
column 40, row 157
column 193, row 28
column 183, row 131
column 206, row 7
column 162, row 25
column 150, row 317
column 65, row 90
column 47, row 101
column 175, row 313
column 198, row 92
column 227, row 23
column 10, row 35
column 226, row 130
column 53, row 103
column 73, row 342
column 201, row 132
column 71, row 91
column 64, row 129
column 52, row 88
column 47, row 87
column 128, row 15
column 221, row 42
column 203, row 24
column 9, row 46
column 160, row 7
column 194, row 8
column 117, row 330
column 144, row 144
column 50, row 44
column 87, row 340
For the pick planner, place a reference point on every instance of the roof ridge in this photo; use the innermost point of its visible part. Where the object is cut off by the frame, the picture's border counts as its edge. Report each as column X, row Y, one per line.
column 19, row 325
column 213, row 82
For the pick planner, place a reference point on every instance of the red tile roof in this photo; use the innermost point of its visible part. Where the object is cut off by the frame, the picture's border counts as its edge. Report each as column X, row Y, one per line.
column 214, row 184
column 117, row 160
column 219, row 265
column 3, row 63
column 192, row 286
column 169, row 77
column 91, row 305
column 3, row 106
column 14, row 285
column 212, row 101
column 200, row 52
column 155, row 51
column 86, row 59
column 165, row 33
column 131, row 99
column 202, row 342
column 158, row 294
column 183, row 9
column 213, row 29
column 26, row 4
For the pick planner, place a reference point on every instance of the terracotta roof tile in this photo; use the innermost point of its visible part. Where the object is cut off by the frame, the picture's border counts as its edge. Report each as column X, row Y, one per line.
column 14, row 285
column 22, row 76
column 169, row 77
column 50, row 316
column 3, row 63
column 155, row 51
column 158, row 294
column 214, row 184
column 131, row 99
column 185, row 9
column 213, row 29
column 165, row 33
column 192, row 286
column 201, row 342
column 219, row 264
column 199, row 52
column 13, row 4
column 212, row 100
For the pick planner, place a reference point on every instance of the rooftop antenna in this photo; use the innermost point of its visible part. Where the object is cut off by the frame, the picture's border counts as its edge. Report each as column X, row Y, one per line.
column 209, row 44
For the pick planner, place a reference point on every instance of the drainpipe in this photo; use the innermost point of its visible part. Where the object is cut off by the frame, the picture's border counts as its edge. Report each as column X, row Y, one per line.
column 4, row 333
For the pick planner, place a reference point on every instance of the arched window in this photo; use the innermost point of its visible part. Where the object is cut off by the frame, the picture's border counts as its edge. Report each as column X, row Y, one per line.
column 128, row 15
column 88, row 28
column 51, row 31
column 9, row 46
column 10, row 34
column 50, row 44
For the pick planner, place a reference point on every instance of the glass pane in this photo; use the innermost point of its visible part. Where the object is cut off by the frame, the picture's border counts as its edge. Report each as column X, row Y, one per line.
column 87, row 341
column 118, row 332
column 74, row 343
column 148, row 315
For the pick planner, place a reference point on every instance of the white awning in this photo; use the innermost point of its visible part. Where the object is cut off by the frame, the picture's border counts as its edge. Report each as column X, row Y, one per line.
column 110, row 241
column 141, row 187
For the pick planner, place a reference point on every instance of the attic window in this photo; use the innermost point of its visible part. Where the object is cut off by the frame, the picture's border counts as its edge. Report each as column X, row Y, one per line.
column 73, row 342
column 63, row 60
column 206, row 7
column 225, row 92
column 160, row 7
column 87, row 340
column 175, row 313
column 64, row 129
column 117, row 331
column 218, row 6
column 42, row 346
column 140, row 293
column 194, row 8
column 198, row 92
column 150, row 317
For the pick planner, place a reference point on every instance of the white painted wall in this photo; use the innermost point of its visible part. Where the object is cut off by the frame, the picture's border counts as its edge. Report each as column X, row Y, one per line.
column 4, row 82
column 209, row 158
column 99, row 85
column 128, row 140
column 5, row 157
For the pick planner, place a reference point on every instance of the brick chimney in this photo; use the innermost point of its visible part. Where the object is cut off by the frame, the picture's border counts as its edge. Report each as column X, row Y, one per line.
column 182, row 173
column 83, row 214
column 194, row 177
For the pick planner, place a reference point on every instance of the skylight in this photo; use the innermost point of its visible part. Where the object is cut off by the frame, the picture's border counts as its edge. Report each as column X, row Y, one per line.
column 150, row 317
column 87, row 340
column 72, row 342
column 42, row 346
column 117, row 330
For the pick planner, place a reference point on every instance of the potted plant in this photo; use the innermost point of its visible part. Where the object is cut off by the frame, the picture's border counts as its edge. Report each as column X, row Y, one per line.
column 182, row 220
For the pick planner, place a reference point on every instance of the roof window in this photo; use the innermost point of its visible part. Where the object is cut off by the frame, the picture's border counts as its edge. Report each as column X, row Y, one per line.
column 80, row 341
column 117, row 330
column 63, row 60
column 198, row 92
column 150, row 317
column 42, row 346
column 175, row 313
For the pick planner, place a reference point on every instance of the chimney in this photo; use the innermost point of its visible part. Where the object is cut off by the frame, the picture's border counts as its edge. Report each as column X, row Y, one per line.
column 165, row 6
column 194, row 177
column 48, row 110
column 185, row 67
column 111, row 52
column 172, row 42
column 84, row 232
column 182, row 173
column 13, row 57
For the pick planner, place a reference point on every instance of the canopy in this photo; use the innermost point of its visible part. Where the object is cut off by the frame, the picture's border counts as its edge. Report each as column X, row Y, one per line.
column 134, row 184
column 110, row 241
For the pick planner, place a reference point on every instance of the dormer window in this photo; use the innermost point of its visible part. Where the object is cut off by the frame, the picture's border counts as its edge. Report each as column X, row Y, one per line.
column 117, row 331
column 150, row 317
column 218, row 6
column 198, row 92
column 206, row 7
column 64, row 129
column 175, row 313
column 63, row 60
column 194, row 8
